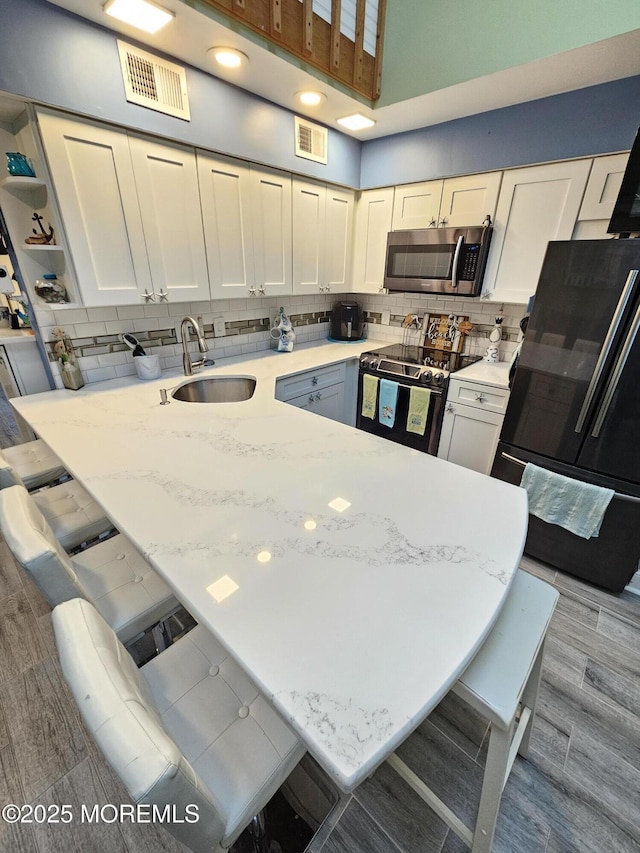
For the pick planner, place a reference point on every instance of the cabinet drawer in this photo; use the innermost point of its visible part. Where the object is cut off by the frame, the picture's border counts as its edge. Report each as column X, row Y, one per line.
column 479, row 395
column 311, row 380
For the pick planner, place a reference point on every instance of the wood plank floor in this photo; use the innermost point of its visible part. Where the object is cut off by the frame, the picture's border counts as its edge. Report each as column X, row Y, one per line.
column 578, row 792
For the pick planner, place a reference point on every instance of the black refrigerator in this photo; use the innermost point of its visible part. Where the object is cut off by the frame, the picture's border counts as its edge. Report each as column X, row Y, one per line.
column 575, row 402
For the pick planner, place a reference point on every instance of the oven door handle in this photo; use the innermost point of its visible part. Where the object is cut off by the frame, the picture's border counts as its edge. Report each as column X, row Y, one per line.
column 456, row 259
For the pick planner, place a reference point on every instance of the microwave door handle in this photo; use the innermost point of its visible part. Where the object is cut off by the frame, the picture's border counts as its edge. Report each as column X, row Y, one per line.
column 606, row 348
column 617, row 373
column 456, row 258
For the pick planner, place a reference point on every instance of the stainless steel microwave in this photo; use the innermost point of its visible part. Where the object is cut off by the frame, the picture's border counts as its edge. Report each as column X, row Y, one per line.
column 438, row 260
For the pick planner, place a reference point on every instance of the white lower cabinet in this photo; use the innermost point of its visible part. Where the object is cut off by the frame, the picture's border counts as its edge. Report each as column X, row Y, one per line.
column 321, row 391
column 471, row 426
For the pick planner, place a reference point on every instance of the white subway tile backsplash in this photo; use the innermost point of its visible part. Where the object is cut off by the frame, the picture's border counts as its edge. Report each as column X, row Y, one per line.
column 87, row 330
column 125, row 369
column 113, row 358
column 100, row 374
column 151, row 310
column 72, row 315
column 88, row 362
column 97, row 314
column 147, row 324
column 130, row 312
column 118, row 327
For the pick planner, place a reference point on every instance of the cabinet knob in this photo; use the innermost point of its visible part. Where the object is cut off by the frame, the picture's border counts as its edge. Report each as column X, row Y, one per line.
column 432, row 223
column 444, row 220
column 318, row 396
column 252, row 291
column 163, row 296
column 480, row 398
column 449, row 408
column 314, row 380
column 310, row 400
column 149, row 297
column 261, row 290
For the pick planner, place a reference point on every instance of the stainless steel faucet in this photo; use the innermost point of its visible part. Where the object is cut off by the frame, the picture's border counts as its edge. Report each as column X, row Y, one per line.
column 187, row 364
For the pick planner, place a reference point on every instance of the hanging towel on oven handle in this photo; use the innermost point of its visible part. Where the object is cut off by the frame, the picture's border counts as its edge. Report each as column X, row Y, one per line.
column 418, row 409
column 388, row 402
column 369, row 395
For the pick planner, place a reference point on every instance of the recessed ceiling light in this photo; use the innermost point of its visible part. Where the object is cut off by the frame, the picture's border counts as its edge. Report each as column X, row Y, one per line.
column 228, row 57
column 311, row 99
column 356, row 122
column 142, row 14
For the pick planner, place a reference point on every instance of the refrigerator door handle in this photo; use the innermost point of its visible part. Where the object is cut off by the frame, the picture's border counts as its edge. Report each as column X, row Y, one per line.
column 617, row 373
column 606, row 348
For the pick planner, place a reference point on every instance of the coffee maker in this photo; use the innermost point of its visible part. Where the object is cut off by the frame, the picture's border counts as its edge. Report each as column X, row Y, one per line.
column 347, row 323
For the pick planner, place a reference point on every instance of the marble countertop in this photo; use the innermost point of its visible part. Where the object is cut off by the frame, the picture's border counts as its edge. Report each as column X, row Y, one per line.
column 360, row 576
column 15, row 336
column 496, row 375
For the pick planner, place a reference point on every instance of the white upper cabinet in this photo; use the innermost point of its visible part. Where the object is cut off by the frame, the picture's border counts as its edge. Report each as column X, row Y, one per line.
column 454, row 202
column 373, row 223
column 225, row 191
column 322, row 237
column 416, row 205
column 94, row 182
column 599, row 197
column 469, row 200
column 167, row 184
column 271, row 230
column 535, row 205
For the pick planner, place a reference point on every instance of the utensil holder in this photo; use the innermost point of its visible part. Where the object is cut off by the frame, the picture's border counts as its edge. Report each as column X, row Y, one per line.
column 147, row 366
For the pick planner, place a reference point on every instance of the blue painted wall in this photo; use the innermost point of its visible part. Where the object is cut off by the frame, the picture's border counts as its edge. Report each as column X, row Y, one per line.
column 54, row 57
column 596, row 120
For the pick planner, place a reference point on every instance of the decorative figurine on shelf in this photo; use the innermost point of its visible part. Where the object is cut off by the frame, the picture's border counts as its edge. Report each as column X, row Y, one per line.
column 492, row 352
column 45, row 238
column 18, row 165
column 64, row 354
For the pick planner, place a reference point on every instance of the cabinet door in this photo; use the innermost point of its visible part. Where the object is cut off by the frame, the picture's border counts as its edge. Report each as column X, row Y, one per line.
column 328, row 402
column 309, row 210
column 94, row 183
column 373, row 223
column 338, row 239
column 603, row 187
column 536, row 205
column 468, row 200
column 469, row 437
column 416, row 205
column 167, row 184
column 271, row 230
column 225, row 195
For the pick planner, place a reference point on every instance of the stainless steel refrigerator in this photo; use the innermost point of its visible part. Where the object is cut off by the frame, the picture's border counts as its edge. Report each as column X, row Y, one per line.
column 575, row 401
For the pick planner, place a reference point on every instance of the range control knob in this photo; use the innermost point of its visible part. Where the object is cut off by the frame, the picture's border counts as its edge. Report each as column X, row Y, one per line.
column 426, row 377
column 439, row 378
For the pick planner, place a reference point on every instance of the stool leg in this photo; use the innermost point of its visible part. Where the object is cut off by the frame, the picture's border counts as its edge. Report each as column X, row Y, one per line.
column 530, row 699
column 495, row 772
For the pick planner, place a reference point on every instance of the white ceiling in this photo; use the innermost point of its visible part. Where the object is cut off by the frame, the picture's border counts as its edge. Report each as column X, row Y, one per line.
column 190, row 35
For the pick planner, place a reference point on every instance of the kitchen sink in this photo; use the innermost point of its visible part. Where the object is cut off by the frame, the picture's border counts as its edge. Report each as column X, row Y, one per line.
column 216, row 389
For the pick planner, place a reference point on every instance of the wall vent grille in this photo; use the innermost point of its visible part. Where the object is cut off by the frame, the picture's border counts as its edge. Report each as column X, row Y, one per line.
column 311, row 140
column 153, row 82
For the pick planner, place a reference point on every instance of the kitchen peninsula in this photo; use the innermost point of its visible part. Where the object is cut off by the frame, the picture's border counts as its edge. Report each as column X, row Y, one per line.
column 352, row 578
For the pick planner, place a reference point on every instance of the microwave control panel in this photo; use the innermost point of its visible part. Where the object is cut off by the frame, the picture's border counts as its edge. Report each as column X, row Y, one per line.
column 469, row 261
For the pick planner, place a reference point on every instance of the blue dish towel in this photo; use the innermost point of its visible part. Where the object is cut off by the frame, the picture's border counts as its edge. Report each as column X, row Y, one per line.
column 387, row 402
column 578, row 507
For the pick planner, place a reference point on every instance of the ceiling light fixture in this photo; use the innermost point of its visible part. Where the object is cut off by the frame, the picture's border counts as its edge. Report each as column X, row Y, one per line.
column 356, row 122
column 142, row 14
column 228, row 57
column 310, row 98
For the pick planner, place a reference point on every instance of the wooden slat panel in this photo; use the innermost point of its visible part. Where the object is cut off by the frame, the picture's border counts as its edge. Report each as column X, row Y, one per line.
column 307, row 23
column 320, row 44
column 358, row 59
column 336, row 11
column 377, row 66
column 276, row 18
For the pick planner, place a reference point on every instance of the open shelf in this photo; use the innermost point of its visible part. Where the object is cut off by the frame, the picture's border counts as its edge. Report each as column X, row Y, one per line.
column 21, row 182
column 34, row 247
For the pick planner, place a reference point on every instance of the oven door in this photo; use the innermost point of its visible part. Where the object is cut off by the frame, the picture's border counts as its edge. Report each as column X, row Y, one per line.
column 427, row 443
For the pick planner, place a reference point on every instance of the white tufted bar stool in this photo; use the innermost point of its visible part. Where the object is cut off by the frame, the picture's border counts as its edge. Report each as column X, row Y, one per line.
column 501, row 683
column 73, row 515
column 34, row 463
column 112, row 574
column 187, row 728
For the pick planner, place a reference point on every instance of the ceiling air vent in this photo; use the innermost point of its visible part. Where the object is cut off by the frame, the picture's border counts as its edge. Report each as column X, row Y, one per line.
column 153, row 82
column 311, row 140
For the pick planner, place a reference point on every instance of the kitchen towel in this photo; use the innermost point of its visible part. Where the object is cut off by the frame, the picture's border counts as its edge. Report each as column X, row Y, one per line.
column 576, row 506
column 369, row 395
column 388, row 402
column 418, row 409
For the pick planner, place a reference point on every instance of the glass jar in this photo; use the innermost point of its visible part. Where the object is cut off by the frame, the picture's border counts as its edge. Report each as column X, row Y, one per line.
column 49, row 289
